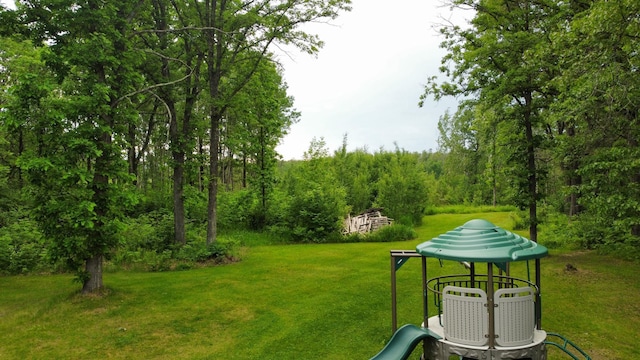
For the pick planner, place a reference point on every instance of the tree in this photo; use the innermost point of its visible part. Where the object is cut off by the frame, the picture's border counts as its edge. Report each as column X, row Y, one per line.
column 317, row 205
column 176, row 73
column 24, row 80
column 599, row 103
column 243, row 32
column 259, row 116
column 497, row 60
column 355, row 172
column 402, row 187
column 80, row 177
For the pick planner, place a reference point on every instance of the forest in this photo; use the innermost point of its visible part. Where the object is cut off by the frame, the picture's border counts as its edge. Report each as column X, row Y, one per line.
column 142, row 131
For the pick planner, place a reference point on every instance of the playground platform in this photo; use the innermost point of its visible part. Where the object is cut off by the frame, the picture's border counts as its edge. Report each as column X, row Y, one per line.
column 440, row 348
column 480, row 316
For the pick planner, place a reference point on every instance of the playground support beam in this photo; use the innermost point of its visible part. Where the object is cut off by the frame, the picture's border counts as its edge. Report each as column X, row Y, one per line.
column 538, row 304
column 425, row 306
column 398, row 257
column 490, row 307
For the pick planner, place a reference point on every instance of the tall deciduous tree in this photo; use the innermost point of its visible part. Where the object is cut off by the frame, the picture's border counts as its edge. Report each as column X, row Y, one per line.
column 79, row 172
column 259, row 116
column 497, row 61
column 176, row 81
column 243, row 32
column 599, row 100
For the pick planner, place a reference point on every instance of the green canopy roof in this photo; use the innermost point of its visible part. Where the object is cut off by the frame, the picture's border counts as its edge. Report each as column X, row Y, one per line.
column 481, row 241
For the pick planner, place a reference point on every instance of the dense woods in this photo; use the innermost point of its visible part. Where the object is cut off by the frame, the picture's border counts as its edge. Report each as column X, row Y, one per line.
column 550, row 111
column 139, row 131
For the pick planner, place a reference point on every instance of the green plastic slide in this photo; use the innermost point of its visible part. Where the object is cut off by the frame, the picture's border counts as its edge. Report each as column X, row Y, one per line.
column 403, row 341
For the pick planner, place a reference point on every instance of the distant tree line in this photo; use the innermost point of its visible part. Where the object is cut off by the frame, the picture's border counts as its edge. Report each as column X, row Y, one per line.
column 138, row 131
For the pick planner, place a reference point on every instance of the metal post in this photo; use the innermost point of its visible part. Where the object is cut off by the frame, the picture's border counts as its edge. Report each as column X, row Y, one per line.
column 490, row 308
column 425, row 302
column 394, row 318
column 425, row 306
column 398, row 257
column 473, row 275
column 538, row 297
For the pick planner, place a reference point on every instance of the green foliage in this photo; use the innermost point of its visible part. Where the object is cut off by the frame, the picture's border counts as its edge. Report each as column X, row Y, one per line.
column 317, row 205
column 84, row 119
column 77, row 176
column 22, row 248
column 612, row 200
column 235, row 208
column 199, row 251
column 467, row 209
column 356, row 172
column 519, row 220
column 390, row 233
column 402, row 188
column 194, row 253
column 316, row 212
column 151, row 231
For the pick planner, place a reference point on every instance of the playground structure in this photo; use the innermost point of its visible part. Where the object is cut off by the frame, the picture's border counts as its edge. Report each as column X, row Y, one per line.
column 481, row 316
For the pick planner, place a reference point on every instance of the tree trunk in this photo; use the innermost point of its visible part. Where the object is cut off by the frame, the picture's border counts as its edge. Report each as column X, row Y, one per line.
column 215, row 48
column 531, row 170
column 93, row 267
column 178, row 157
column 201, row 168
column 131, row 156
column 244, row 170
column 212, row 206
column 178, row 198
column 573, row 179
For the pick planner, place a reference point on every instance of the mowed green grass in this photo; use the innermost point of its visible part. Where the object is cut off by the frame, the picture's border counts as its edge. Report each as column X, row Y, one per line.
column 327, row 301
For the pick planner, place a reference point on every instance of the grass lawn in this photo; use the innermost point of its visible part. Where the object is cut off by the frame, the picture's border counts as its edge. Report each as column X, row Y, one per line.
column 295, row 302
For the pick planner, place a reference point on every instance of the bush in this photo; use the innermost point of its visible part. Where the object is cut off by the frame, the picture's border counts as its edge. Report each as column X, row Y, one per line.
column 402, row 189
column 196, row 204
column 180, row 258
column 22, row 248
column 467, row 209
column 519, row 221
column 316, row 214
column 234, row 208
column 200, row 252
column 152, row 231
column 394, row 232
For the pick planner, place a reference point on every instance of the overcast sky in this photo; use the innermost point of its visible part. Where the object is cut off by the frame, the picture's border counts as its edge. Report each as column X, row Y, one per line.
column 367, row 80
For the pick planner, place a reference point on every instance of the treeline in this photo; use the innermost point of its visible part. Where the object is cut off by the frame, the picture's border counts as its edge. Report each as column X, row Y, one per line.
column 139, row 130
column 105, row 102
column 550, row 112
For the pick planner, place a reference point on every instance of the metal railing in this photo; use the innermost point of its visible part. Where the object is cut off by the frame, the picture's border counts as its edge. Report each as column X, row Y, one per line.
column 567, row 346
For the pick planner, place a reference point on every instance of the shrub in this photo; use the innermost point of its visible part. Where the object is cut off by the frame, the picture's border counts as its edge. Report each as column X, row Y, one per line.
column 394, row 232
column 151, row 231
column 402, row 189
column 234, row 208
column 519, row 221
column 22, row 248
column 199, row 251
column 467, row 209
column 316, row 213
column 177, row 258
